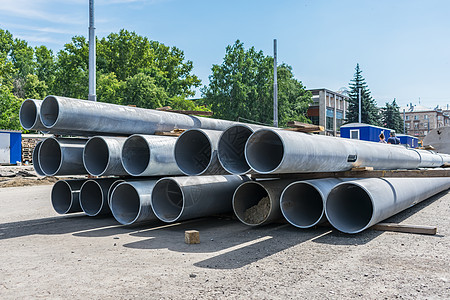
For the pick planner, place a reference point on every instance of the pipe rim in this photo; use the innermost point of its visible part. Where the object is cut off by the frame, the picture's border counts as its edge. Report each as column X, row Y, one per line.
column 94, row 171
column 154, row 198
column 120, row 218
column 130, row 164
column 87, row 210
column 48, row 170
column 239, row 190
column 285, row 214
column 25, row 115
column 53, row 197
column 49, row 113
column 111, row 189
column 250, row 145
column 35, row 159
column 182, row 164
column 332, row 219
column 220, row 152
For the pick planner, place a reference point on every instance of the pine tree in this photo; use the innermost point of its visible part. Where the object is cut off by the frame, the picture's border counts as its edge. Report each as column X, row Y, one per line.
column 369, row 110
column 392, row 118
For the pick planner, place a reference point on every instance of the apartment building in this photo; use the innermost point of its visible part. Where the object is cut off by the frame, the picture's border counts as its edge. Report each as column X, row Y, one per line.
column 419, row 120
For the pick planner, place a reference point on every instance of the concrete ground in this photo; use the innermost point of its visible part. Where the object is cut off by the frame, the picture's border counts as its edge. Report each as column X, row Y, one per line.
column 44, row 255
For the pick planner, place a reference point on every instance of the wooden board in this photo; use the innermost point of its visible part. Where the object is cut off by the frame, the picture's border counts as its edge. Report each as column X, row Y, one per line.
column 186, row 112
column 175, row 132
column 420, row 229
column 304, row 127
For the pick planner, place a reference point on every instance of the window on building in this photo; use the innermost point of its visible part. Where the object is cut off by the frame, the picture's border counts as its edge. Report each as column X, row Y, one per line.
column 425, row 117
column 314, row 120
column 408, row 125
column 354, row 134
column 407, row 118
column 416, row 117
column 416, row 125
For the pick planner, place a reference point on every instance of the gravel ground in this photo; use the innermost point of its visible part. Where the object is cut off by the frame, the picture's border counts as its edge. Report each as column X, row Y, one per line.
column 44, row 255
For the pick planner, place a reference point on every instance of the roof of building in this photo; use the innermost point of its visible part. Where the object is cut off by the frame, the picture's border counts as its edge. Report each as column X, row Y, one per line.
column 364, row 125
column 329, row 91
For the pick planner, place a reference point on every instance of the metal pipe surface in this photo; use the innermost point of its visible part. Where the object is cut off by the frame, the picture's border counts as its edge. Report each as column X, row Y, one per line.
column 180, row 198
column 61, row 113
column 303, row 202
column 354, row 206
column 102, row 156
column 111, row 189
column 429, row 159
column 65, row 196
column 277, row 151
column 94, row 196
column 35, row 159
column 258, row 202
column 131, row 202
column 62, row 156
column 149, row 155
column 29, row 115
column 196, row 152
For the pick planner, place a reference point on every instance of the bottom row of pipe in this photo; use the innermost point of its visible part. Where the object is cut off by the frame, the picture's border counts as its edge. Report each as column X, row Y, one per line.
column 350, row 205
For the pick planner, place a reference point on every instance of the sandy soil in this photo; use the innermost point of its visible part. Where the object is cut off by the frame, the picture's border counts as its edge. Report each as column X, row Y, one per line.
column 48, row 256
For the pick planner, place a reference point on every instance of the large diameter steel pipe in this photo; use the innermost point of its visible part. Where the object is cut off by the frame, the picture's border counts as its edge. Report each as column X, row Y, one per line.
column 429, row 159
column 149, row 155
column 62, row 156
column 131, row 202
column 196, row 152
column 354, row 206
column 111, row 189
column 94, row 196
column 65, row 196
column 61, row 113
column 303, row 202
column 258, row 202
column 29, row 115
column 102, row 156
column 278, row 151
column 180, row 198
column 35, row 159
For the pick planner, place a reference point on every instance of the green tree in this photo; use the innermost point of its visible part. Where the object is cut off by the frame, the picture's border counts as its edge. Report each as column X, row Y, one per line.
column 242, row 87
column 110, row 89
column 391, row 117
column 369, row 110
column 9, row 110
column 34, row 88
column 181, row 103
column 141, row 90
column 45, row 65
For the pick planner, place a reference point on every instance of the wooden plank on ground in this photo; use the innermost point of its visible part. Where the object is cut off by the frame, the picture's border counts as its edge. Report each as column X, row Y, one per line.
column 420, row 229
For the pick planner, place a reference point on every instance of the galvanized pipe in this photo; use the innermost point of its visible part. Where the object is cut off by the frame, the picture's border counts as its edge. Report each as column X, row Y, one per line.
column 429, row 159
column 303, row 202
column 29, row 115
column 35, row 159
column 94, row 196
column 149, row 155
column 131, row 202
column 180, row 198
column 354, row 206
column 65, row 196
column 111, row 189
column 61, row 113
column 278, row 151
column 102, row 156
column 445, row 158
column 196, row 152
column 62, row 156
column 258, row 202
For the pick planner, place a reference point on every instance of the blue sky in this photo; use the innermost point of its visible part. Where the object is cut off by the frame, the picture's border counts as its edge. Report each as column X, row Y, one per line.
column 403, row 47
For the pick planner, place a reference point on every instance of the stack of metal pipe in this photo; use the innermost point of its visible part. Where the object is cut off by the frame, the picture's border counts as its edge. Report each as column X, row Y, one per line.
column 202, row 172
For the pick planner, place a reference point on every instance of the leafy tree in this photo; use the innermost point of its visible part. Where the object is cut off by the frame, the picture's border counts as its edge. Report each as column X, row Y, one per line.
column 369, row 110
column 9, row 110
column 110, row 89
column 141, row 90
column 181, row 103
column 242, row 86
column 45, row 65
column 391, row 117
column 34, row 88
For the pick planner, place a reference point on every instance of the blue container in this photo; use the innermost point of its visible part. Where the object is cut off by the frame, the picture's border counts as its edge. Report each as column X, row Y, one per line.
column 10, row 147
column 365, row 132
column 411, row 141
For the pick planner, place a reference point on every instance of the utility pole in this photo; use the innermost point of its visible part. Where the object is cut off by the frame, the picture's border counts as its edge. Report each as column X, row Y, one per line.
column 359, row 106
column 275, row 85
column 404, row 121
column 92, row 96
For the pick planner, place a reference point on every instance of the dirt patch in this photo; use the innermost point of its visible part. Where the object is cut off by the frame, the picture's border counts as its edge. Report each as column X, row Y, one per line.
column 25, row 181
column 257, row 213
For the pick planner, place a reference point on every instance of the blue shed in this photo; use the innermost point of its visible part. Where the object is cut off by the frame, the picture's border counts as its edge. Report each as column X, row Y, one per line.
column 409, row 140
column 365, row 132
column 10, row 147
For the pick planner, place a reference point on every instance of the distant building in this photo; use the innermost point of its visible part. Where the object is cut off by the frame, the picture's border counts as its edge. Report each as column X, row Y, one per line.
column 419, row 120
column 329, row 109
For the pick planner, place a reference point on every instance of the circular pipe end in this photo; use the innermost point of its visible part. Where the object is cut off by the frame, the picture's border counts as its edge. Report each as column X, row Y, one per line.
column 125, row 203
column 302, row 204
column 349, row 207
column 135, row 155
column 49, row 113
column 28, row 114
column 91, row 198
column 62, row 199
column 50, row 156
column 111, row 189
column 231, row 149
column 193, row 152
column 167, row 200
column 264, row 151
column 35, row 159
column 252, row 203
column 96, row 156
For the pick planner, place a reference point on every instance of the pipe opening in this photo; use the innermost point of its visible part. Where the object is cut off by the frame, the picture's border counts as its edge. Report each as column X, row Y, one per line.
column 231, row 149
column 49, row 111
column 50, row 156
column 111, row 189
column 135, row 155
column 28, row 114
column 302, row 205
column 264, row 151
column 61, row 197
column 167, row 200
column 251, row 203
column 193, row 152
column 125, row 203
column 91, row 198
column 35, row 159
column 349, row 208
column 96, row 156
